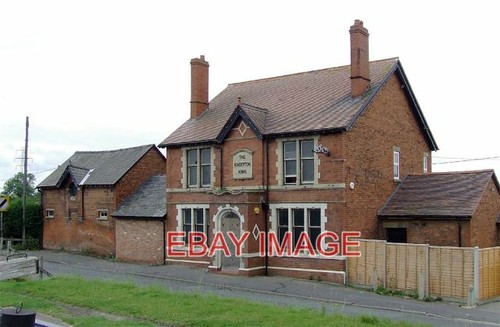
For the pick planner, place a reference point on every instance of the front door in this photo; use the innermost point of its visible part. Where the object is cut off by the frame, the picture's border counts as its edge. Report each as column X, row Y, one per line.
column 230, row 223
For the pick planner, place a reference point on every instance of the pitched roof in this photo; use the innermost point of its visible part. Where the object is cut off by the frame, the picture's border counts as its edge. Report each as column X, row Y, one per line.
column 438, row 195
column 96, row 168
column 149, row 201
column 314, row 101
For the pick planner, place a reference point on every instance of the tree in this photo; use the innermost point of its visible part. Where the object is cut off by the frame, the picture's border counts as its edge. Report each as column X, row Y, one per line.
column 13, row 222
column 13, row 218
column 14, row 186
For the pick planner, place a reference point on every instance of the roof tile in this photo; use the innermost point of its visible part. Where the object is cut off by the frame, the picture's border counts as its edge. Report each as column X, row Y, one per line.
column 102, row 167
column 450, row 194
column 149, row 201
column 310, row 101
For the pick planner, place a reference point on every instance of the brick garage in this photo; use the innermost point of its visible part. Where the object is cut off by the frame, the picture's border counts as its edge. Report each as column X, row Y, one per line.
column 80, row 195
column 446, row 209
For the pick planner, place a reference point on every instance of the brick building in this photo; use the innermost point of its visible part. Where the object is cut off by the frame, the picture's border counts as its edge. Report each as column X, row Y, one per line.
column 304, row 153
column 446, row 209
column 79, row 197
column 140, row 224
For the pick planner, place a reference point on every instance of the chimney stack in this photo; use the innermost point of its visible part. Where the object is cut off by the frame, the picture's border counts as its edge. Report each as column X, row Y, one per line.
column 360, row 70
column 199, row 86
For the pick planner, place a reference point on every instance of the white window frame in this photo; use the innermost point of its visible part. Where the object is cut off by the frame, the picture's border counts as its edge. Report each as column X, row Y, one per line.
column 299, row 162
column 198, row 165
column 294, row 206
column 426, row 165
column 193, row 207
column 102, row 214
column 50, row 213
column 396, row 158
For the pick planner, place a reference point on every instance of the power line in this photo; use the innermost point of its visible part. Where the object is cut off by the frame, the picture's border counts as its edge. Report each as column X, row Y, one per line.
column 466, row 160
column 43, row 171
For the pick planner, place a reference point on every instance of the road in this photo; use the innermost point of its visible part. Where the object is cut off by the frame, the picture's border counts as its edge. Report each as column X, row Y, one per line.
column 276, row 290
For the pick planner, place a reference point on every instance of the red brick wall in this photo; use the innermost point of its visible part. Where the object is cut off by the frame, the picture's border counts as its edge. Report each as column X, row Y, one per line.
column 140, row 240
column 151, row 164
column 368, row 150
column 75, row 234
column 434, row 232
column 484, row 231
column 174, row 168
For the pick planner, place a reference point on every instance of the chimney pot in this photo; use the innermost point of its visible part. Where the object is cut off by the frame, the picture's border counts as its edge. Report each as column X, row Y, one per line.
column 199, row 86
column 360, row 67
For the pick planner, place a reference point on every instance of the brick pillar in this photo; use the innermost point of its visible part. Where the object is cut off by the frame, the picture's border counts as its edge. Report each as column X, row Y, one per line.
column 360, row 70
column 199, row 86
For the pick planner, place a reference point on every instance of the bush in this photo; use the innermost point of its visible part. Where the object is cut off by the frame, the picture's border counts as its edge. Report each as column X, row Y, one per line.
column 31, row 244
column 13, row 219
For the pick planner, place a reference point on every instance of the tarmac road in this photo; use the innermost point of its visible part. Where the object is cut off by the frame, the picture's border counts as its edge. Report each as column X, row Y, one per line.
column 277, row 290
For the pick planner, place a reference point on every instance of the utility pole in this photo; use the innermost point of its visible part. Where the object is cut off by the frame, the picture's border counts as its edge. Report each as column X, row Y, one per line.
column 25, row 180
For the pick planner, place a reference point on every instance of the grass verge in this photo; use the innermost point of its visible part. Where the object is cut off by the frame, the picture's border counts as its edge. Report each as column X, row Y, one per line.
column 130, row 305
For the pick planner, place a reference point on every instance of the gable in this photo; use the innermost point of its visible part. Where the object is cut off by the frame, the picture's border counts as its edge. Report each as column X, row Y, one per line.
column 244, row 117
column 403, row 88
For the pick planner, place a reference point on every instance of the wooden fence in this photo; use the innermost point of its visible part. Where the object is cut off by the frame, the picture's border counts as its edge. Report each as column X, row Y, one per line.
column 489, row 273
column 465, row 274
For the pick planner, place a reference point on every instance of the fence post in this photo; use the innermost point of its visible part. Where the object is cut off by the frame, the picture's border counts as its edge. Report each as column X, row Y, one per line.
column 427, row 267
column 475, row 291
column 421, row 286
column 385, row 265
column 346, row 269
column 40, row 267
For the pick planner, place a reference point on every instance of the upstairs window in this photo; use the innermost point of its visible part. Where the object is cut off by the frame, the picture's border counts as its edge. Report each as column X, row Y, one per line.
column 49, row 213
column 396, row 164
column 102, row 214
column 72, row 189
column 199, row 167
column 426, row 163
column 298, row 162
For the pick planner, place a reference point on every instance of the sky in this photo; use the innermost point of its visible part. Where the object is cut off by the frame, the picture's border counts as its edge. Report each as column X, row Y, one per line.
column 104, row 75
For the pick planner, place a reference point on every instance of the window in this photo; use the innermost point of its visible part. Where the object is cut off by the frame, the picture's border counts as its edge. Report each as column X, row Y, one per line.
column 396, row 165
column 49, row 213
column 298, row 160
column 425, row 164
column 396, row 235
column 199, row 167
column 297, row 221
column 282, row 223
column 314, row 219
column 72, row 189
column 102, row 214
column 298, row 224
column 195, row 219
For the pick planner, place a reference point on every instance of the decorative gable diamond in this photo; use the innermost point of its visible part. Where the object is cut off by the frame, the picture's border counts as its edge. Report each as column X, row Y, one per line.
column 242, row 128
